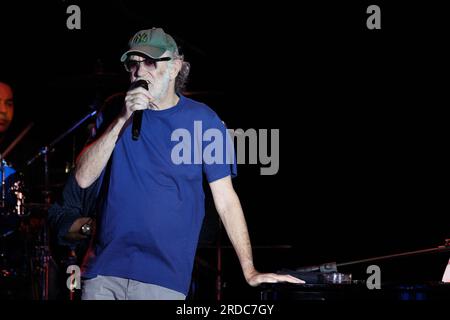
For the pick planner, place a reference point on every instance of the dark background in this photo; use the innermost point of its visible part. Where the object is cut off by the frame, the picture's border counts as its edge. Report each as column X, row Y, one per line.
column 363, row 165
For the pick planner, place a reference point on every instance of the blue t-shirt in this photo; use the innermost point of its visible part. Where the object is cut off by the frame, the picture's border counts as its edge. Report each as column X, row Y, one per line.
column 153, row 208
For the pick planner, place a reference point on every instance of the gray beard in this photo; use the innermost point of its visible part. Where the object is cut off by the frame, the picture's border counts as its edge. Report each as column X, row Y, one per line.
column 164, row 87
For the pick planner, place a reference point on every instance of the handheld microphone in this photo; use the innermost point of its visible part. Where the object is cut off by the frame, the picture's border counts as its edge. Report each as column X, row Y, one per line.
column 137, row 115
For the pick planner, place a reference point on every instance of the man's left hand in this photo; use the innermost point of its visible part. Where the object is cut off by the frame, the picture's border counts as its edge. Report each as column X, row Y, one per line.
column 256, row 278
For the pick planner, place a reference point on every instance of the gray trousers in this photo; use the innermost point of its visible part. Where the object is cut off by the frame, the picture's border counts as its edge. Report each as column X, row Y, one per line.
column 115, row 288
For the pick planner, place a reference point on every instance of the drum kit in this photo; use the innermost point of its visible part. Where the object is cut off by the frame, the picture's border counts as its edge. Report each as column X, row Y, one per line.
column 24, row 245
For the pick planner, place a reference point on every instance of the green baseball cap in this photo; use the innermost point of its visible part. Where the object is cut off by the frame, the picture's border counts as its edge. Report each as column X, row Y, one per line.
column 151, row 42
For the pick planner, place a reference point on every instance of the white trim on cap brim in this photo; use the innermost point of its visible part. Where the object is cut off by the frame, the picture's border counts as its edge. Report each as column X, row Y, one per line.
column 125, row 55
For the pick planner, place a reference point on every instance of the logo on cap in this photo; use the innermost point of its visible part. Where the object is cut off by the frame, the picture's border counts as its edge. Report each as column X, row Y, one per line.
column 140, row 38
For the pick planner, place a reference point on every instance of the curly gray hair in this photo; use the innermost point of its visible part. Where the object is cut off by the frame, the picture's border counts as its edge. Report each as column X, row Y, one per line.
column 182, row 77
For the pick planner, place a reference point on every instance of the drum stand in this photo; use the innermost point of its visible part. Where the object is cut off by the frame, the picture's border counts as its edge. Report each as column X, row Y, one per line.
column 43, row 258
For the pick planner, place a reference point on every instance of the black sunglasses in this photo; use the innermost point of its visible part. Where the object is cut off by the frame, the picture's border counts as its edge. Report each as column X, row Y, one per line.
column 149, row 63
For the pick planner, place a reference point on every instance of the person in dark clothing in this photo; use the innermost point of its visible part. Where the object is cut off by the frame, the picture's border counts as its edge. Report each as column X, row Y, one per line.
column 72, row 216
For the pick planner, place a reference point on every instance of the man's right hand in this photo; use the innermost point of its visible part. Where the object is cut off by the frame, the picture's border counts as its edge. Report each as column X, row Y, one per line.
column 136, row 99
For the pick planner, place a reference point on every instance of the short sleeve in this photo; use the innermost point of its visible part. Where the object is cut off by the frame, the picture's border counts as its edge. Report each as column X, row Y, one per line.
column 219, row 159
